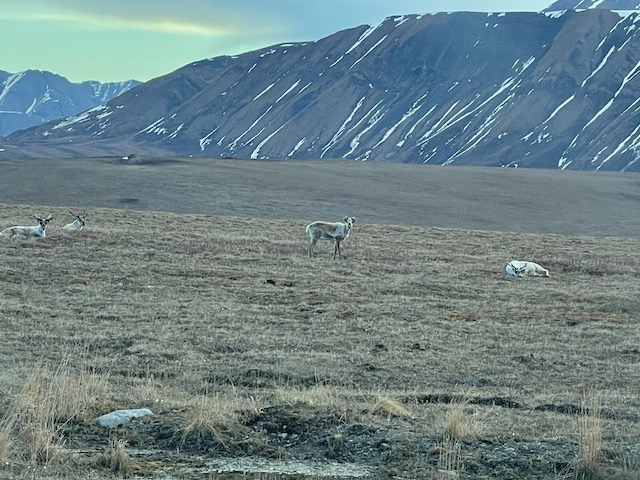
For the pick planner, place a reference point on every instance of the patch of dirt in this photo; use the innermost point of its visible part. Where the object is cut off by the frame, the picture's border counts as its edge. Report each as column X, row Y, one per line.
column 300, row 440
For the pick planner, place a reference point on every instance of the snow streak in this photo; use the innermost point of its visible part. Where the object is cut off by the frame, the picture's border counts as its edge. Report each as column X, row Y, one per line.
column 9, row 83
column 342, row 128
column 368, row 52
column 364, row 35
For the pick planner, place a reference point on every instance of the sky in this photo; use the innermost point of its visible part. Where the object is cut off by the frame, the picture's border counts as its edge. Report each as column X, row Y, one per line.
column 117, row 40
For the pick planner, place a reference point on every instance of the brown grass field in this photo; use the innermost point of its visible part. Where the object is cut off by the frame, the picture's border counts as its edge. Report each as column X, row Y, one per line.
column 412, row 357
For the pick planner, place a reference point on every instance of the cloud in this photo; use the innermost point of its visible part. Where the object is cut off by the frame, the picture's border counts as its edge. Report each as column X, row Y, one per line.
column 192, row 17
column 262, row 20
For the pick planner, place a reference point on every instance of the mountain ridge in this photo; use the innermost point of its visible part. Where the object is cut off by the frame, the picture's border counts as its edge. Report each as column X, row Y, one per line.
column 622, row 5
column 33, row 97
column 447, row 89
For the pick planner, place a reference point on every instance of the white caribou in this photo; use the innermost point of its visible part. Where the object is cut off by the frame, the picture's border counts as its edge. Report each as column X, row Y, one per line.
column 27, row 232
column 519, row 268
column 337, row 231
column 77, row 224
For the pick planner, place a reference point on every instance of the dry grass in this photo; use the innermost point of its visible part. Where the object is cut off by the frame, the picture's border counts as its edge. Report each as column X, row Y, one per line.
column 314, row 396
column 242, row 345
column 6, row 441
column 32, row 427
column 449, row 459
column 390, row 407
column 211, row 416
column 590, row 430
column 116, row 457
column 461, row 423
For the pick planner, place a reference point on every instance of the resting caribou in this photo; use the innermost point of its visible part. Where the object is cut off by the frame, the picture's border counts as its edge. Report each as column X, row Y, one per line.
column 519, row 268
column 78, row 223
column 337, row 231
column 27, row 232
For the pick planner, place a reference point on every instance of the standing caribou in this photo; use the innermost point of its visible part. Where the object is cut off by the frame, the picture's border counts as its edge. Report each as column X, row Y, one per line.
column 337, row 231
column 78, row 223
column 27, row 232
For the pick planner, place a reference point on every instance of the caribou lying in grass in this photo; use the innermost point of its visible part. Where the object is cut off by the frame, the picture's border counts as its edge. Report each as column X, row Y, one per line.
column 519, row 268
column 28, row 232
column 337, row 231
column 77, row 224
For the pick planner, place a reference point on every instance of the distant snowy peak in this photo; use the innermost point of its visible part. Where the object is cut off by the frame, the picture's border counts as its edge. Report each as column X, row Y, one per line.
column 33, row 97
column 619, row 5
column 106, row 91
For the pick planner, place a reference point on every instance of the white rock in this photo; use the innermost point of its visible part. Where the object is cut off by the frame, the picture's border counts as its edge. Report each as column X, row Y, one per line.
column 122, row 417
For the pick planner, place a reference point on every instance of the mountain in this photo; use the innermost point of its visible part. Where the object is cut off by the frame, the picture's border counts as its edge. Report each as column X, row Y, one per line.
column 623, row 5
column 33, row 97
column 556, row 90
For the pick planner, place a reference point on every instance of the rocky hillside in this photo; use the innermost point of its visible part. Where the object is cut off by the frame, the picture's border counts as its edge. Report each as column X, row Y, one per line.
column 548, row 90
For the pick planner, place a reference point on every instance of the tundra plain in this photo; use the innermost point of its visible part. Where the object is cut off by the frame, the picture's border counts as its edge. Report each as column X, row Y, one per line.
column 413, row 357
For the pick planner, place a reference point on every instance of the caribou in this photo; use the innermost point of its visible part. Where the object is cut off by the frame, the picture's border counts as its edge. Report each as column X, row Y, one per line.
column 519, row 268
column 78, row 223
column 27, row 232
column 337, row 231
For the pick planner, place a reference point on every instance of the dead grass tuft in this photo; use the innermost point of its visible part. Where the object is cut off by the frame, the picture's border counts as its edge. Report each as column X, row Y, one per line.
column 211, row 417
column 116, row 458
column 33, row 418
column 392, row 408
column 449, row 459
column 32, row 429
column 589, row 461
column 461, row 424
column 458, row 424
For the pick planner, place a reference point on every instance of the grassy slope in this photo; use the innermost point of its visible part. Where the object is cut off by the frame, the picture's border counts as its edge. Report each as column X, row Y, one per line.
column 233, row 312
column 514, row 200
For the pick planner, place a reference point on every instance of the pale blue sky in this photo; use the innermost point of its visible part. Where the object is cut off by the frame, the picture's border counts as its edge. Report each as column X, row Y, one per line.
column 111, row 40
